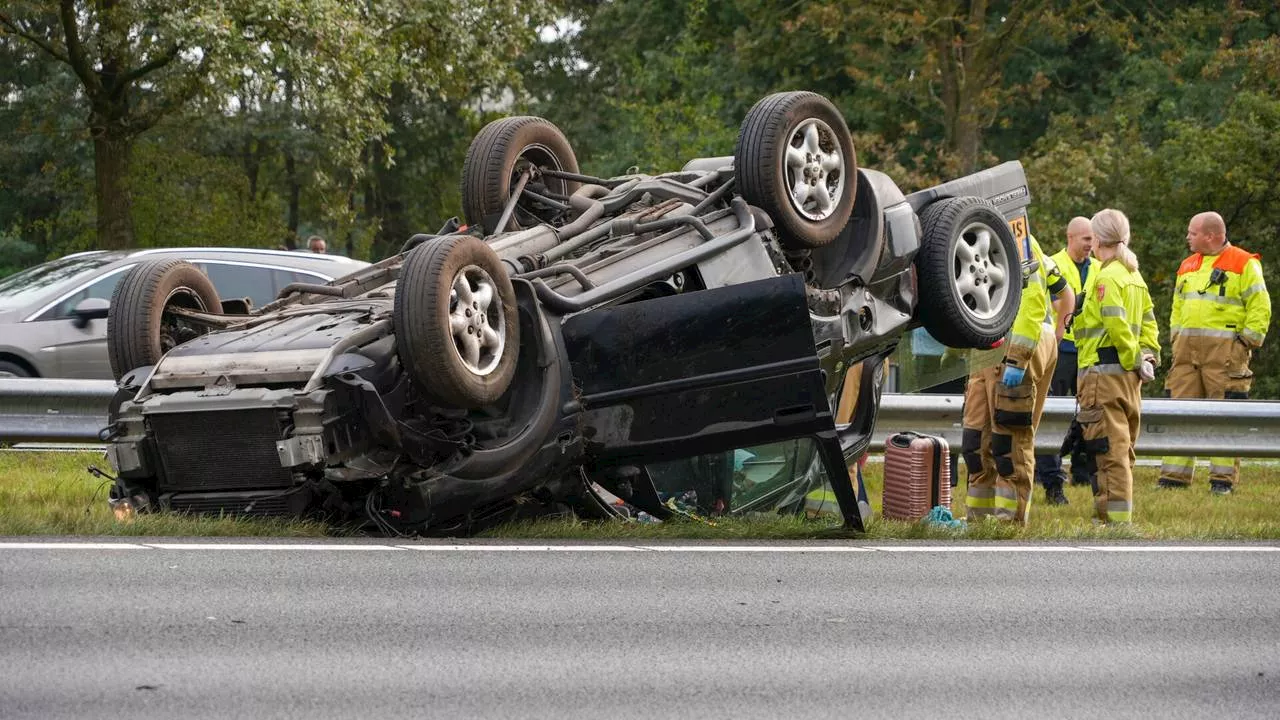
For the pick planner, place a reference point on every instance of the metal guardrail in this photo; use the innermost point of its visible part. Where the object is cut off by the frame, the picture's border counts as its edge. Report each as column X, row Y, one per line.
column 51, row 410
column 1231, row 428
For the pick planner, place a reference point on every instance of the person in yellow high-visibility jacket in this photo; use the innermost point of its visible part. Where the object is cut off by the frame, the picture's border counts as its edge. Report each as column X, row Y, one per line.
column 1221, row 310
column 1119, row 346
column 1003, row 404
column 1076, row 263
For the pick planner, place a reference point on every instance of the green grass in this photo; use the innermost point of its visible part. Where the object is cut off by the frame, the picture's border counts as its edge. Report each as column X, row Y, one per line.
column 1251, row 513
column 53, row 494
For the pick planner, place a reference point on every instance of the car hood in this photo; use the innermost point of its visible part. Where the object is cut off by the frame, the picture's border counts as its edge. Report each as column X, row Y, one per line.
column 283, row 349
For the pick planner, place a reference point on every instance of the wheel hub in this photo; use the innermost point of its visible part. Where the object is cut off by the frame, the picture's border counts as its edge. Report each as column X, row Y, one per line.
column 476, row 320
column 815, row 170
column 980, row 273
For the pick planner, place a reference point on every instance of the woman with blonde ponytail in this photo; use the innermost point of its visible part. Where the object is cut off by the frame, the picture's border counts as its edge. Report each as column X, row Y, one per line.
column 1119, row 347
column 1111, row 230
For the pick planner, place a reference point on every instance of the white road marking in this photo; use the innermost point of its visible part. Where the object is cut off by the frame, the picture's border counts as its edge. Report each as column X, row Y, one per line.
column 481, row 548
column 522, row 548
column 1187, row 548
column 69, row 546
column 980, row 548
column 267, row 546
column 757, row 548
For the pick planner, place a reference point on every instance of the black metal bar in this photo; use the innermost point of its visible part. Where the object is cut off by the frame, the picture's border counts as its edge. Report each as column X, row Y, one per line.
column 546, row 200
column 583, row 178
column 312, row 288
column 838, row 476
column 665, row 223
column 705, row 180
column 559, row 269
column 511, row 203
column 714, row 196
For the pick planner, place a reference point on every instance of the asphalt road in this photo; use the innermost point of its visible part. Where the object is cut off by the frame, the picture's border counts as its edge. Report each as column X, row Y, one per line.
column 375, row 631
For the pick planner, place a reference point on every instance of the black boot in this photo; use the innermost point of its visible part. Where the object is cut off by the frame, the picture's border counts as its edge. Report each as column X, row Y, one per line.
column 1054, row 495
column 1219, row 487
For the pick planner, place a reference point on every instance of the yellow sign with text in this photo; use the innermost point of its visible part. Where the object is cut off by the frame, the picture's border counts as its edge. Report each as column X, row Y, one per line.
column 1019, row 227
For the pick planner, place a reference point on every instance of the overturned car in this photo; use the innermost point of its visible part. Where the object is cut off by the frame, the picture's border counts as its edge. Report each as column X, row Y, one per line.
column 714, row 335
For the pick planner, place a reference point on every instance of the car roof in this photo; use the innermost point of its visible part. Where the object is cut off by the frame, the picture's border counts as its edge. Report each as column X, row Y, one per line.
column 335, row 265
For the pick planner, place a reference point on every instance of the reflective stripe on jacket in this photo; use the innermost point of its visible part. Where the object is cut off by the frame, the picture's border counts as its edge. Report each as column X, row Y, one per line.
column 1238, row 305
column 1035, row 308
column 1071, row 273
column 1117, row 314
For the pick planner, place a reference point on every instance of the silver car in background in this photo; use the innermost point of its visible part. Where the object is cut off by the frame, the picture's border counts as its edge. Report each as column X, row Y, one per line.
column 53, row 316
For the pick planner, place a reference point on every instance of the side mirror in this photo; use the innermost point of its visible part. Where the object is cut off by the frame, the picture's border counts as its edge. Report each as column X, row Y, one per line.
column 89, row 309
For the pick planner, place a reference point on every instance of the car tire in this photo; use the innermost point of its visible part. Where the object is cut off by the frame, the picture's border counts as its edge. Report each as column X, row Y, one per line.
column 13, row 370
column 495, row 159
column 798, row 139
column 138, row 331
column 433, row 324
column 969, row 273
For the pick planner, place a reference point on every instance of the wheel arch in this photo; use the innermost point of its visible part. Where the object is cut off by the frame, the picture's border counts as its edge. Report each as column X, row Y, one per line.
column 20, row 360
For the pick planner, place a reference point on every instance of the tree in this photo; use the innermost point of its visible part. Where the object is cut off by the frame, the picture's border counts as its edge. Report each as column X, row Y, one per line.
column 947, row 62
column 43, row 163
column 1163, row 162
column 140, row 61
column 921, row 85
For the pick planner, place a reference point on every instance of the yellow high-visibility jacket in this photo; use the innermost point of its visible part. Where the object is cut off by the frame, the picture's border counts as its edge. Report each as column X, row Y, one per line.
column 1035, row 308
column 1238, row 305
column 1118, row 322
column 1071, row 273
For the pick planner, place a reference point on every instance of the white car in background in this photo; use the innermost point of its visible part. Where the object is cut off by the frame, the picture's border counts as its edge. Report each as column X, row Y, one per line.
column 53, row 316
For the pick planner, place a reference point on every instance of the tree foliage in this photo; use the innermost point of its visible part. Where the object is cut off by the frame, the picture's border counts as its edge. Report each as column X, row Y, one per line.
column 140, row 62
column 257, row 122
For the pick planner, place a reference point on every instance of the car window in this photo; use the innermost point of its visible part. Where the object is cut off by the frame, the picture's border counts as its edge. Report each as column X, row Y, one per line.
column 27, row 286
column 100, row 288
column 286, row 277
column 922, row 364
column 241, row 281
column 758, row 479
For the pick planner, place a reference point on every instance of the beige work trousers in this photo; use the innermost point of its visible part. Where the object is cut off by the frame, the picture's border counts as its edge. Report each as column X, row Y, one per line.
column 1001, row 421
column 1110, row 413
column 1207, row 367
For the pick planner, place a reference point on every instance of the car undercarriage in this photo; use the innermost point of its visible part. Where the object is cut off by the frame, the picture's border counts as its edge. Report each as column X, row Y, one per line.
column 656, row 345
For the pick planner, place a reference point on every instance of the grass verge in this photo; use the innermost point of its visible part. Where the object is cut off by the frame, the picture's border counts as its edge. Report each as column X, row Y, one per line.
column 53, row 494
column 1251, row 513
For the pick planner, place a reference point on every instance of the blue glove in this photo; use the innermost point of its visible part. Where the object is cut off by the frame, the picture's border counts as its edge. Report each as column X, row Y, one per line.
column 1013, row 375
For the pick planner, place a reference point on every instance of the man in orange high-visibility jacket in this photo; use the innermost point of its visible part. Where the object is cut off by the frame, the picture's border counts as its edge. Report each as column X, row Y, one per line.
column 1221, row 311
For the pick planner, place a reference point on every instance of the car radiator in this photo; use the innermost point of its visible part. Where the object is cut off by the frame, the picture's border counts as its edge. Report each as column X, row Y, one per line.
column 232, row 450
column 256, row 504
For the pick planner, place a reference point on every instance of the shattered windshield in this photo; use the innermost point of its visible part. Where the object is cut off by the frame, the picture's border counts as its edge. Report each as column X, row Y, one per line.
column 780, row 477
column 921, row 364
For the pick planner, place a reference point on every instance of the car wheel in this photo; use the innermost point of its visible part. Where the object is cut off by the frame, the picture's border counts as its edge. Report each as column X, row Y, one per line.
column 795, row 160
column 13, row 370
column 497, row 157
column 457, row 330
column 140, row 330
column 970, row 273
